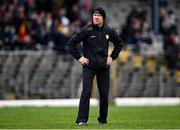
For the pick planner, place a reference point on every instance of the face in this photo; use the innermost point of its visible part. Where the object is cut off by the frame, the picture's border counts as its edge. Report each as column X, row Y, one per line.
column 98, row 19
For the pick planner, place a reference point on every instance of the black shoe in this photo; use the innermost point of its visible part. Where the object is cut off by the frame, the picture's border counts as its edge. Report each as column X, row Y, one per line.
column 82, row 123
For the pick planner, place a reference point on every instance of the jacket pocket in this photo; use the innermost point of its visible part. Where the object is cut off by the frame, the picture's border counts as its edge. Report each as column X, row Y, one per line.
column 92, row 64
column 103, row 64
column 99, row 63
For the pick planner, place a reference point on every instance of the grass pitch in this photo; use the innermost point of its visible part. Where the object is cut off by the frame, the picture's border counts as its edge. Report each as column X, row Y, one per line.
column 164, row 117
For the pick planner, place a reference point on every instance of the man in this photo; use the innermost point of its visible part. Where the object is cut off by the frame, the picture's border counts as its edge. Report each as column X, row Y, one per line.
column 95, row 61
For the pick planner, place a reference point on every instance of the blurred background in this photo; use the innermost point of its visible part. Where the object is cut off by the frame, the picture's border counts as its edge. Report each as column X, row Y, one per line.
column 35, row 63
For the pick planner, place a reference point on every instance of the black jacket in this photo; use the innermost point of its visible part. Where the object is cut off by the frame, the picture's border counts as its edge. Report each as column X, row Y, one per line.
column 95, row 45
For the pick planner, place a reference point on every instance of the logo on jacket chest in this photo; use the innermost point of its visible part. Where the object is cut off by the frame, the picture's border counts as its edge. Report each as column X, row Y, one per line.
column 107, row 36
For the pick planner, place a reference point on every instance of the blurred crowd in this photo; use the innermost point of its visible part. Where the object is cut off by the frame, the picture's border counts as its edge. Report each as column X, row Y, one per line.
column 137, row 31
column 48, row 24
column 40, row 24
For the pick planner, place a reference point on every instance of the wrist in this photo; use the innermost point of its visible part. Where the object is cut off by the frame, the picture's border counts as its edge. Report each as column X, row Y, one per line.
column 80, row 57
column 111, row 57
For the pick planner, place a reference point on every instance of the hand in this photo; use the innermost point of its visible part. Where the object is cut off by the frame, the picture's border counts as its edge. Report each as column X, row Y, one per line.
column 84, row 61
column 109, row 60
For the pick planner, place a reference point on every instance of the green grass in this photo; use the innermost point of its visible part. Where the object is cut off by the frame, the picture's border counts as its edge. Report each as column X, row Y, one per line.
column 165, row 117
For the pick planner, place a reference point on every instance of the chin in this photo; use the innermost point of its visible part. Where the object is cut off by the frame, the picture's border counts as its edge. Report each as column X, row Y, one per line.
column 96, row 23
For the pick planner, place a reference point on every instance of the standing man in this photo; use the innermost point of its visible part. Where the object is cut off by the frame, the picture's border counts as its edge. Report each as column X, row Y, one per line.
column 95, row 61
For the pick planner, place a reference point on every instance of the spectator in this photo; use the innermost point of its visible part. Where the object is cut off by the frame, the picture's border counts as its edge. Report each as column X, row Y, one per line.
column 172, row 49
column 146, row 33
column 131, row 31
column 168, row 28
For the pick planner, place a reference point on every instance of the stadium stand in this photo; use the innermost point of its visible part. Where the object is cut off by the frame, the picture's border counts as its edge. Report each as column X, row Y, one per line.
column 35, row 64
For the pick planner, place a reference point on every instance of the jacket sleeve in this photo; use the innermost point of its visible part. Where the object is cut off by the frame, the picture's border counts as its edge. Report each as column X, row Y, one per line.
column 115, row 39
column 74, row 41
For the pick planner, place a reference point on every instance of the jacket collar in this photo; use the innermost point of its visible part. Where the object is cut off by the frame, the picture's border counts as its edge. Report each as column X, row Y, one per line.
column 98, row 28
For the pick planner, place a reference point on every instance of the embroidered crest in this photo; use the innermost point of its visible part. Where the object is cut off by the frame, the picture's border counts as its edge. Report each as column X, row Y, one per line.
column 107, row 36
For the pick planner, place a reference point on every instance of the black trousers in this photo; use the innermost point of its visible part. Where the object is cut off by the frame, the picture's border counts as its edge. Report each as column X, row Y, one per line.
column 103, row 78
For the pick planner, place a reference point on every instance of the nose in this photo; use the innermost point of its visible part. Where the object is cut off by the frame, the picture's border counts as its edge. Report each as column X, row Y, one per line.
column 96, row 17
